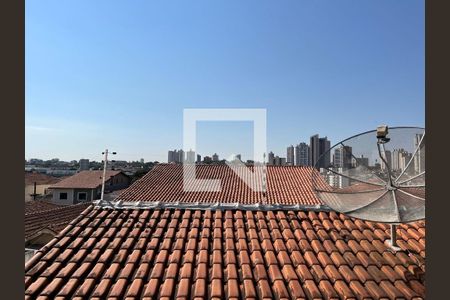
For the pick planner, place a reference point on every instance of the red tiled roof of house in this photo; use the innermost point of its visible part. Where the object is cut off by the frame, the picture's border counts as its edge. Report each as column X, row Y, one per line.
column 31, row 178
column 85, row 179
column 198, row 254
column 55, row 218
column 287, row 185
column 38, row 206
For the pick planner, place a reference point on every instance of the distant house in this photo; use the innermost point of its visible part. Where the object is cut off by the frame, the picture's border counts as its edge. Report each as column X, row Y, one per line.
column 42, row 182
column 86, row 186
column 43, row 220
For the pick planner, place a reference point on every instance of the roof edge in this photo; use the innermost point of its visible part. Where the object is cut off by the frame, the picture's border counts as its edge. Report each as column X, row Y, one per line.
column 205, row 206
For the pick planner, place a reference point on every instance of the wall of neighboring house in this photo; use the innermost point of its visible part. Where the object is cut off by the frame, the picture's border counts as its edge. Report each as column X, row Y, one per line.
column 57, row 193
column 118, row 182
column 84, row 195
column 40, row 189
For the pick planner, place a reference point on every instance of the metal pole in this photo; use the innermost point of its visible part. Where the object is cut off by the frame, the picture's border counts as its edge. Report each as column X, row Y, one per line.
column 394, row 236
column 104, row 173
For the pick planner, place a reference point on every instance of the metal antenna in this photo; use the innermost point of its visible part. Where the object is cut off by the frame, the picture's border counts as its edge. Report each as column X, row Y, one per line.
column 105, row 165
column 264, row 179
column 382, row 132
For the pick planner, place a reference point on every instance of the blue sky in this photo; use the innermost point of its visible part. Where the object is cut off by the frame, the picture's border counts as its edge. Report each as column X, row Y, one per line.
column 118, row 74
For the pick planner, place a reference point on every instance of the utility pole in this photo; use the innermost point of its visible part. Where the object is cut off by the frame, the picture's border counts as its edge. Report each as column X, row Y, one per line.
column 105, row 164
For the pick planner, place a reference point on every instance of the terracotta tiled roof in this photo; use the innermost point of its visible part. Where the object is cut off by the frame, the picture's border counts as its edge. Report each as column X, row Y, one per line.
column 85, row 179
column 198, row 254
column 289, row 185
column 38, row 206
column 31, row 178
column 54, row 219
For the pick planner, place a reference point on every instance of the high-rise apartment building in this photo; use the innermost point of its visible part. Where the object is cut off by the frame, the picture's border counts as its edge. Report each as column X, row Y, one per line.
column 215, row 157
column 175, row 156
column 190, row 156
column 271, row 159
column 400, row 159
column 342, row 157
column 387, row 155
column 419, row 158
column 319, row 150
column 302, row 155
column 290, row 155
column 362, row 161
column 171, row 156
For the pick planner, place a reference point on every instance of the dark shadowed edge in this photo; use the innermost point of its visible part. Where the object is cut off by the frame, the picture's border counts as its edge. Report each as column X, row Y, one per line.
column 437, row 114
column 13, row 148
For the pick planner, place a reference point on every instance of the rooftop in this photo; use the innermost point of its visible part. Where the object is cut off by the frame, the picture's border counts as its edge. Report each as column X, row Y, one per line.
column 31, row 178
column 174, row 253
column 39, row 216
column 38, row 206
column 198, row 254
column 286, row 185
column 84, row 179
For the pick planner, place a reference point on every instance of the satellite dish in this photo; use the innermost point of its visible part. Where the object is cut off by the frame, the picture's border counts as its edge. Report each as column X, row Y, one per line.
column 377, row 176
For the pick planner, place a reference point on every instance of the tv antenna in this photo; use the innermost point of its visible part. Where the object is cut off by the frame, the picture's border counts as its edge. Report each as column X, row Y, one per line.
column 377, row 176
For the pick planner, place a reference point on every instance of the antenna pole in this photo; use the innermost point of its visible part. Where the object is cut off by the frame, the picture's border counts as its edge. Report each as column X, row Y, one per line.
column 264, row 179
column 393, row 241
column 105, row 163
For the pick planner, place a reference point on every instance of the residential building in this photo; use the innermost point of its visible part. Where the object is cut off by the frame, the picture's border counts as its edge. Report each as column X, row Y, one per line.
column 319, row 149
column 419, row 158
column 215, row 157
column 342, row 157
column 199, row 158
column 302, row 155
column 334, row 179
column 314, row 149
column 362, row 161
column 271, row 159
column 176, row 156
column 396, row 159
column 405, row 159
column 44, row 220
column 290, row 155
column 37, row 184
column 190, row 156
column 85, row 186
column 172, row 156
column 84, row 164
column 400, row 159
column 387, row 155
column 207, row 159
column 277, row 161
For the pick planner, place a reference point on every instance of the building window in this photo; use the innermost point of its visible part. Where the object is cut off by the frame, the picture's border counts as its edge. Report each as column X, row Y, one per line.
column 62, row 196
column 82, row 196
